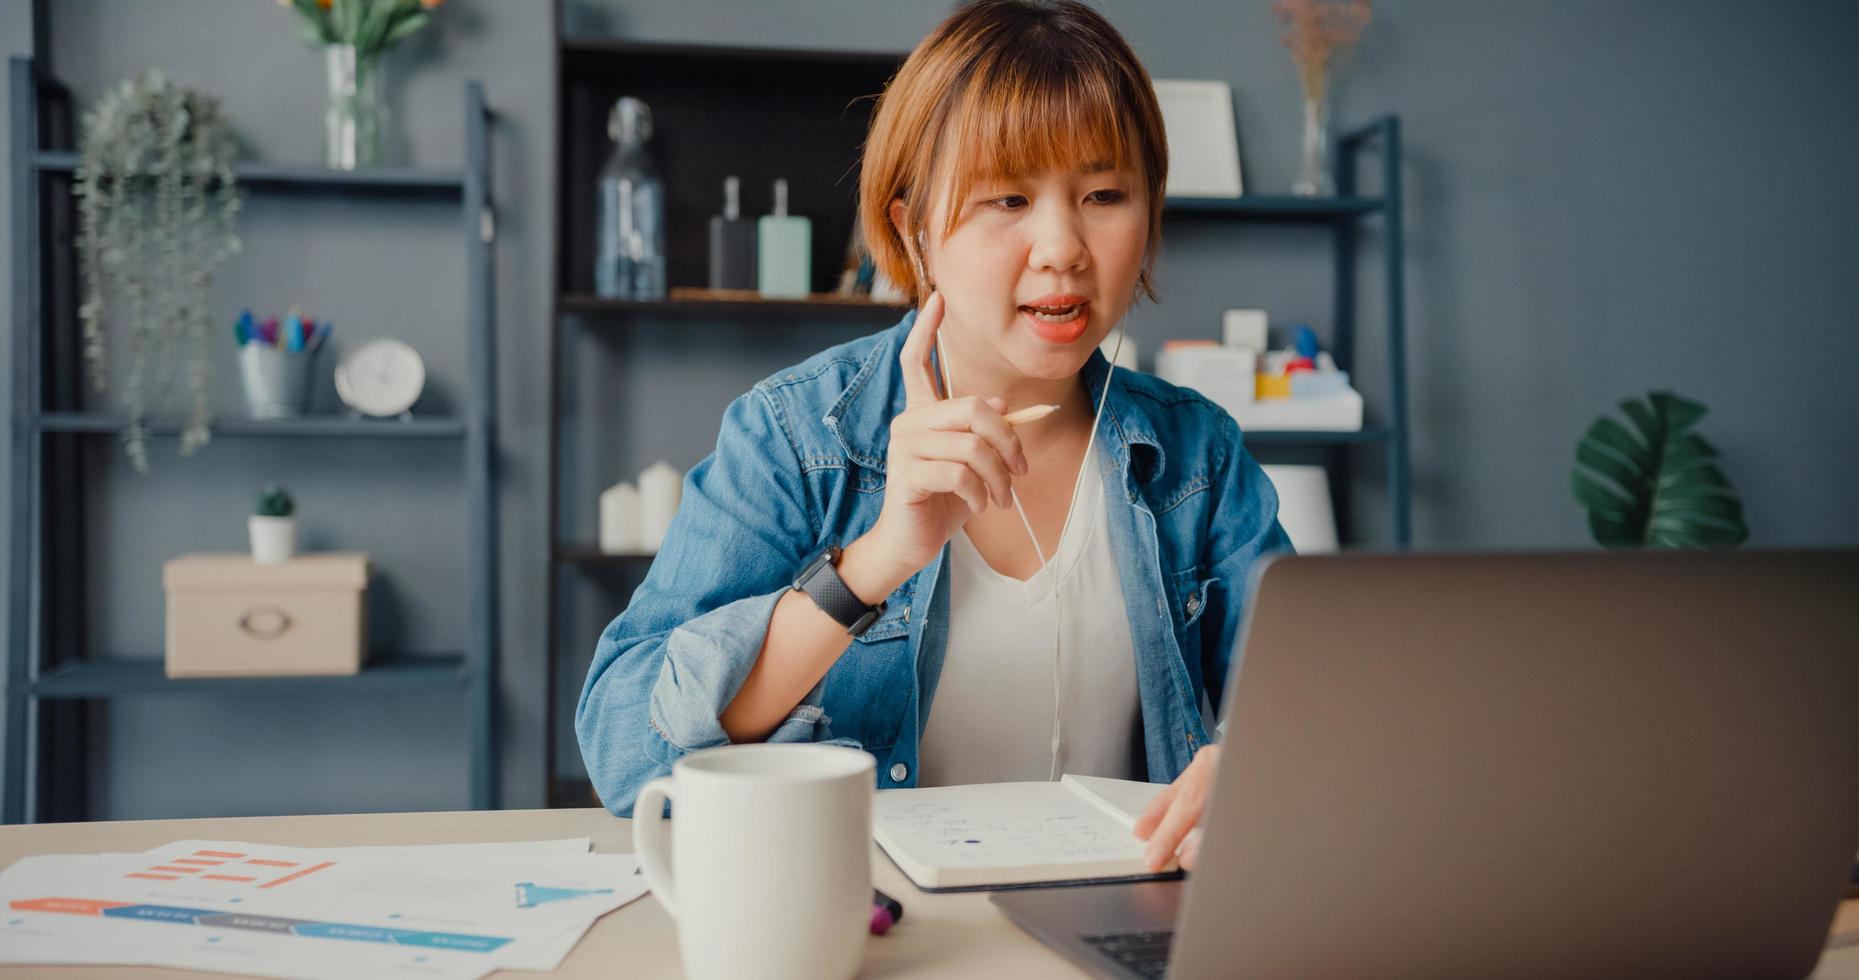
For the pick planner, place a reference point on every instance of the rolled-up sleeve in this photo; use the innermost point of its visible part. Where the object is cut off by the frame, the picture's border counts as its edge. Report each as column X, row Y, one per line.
column 665, row 669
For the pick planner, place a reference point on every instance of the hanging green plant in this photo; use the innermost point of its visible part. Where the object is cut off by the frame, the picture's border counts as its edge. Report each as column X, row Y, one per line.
column 1655, row 485
column 156, row 208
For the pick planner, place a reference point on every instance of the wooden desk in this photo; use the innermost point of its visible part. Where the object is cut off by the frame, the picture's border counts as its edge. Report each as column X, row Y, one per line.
column 941, row 935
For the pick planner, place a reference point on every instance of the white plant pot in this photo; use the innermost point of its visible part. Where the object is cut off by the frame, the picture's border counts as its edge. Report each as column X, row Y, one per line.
column 274, row 539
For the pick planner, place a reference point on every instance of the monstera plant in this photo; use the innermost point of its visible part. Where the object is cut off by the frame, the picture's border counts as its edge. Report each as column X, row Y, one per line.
column 1653, row 482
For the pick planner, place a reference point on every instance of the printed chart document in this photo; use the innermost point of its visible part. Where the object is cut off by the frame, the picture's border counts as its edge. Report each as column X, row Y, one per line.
column 447, row 911
column 1003, row 835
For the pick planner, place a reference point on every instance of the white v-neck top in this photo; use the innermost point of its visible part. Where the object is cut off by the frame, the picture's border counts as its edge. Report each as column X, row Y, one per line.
column 991, row 717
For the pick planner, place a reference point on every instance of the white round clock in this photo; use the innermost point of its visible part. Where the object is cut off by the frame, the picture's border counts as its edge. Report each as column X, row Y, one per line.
column 381, row 378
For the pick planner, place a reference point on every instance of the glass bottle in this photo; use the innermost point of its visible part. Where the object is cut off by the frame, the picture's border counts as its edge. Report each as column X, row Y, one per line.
column 629, row 261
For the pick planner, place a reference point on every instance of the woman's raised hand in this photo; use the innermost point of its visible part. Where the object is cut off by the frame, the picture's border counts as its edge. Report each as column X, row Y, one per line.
column 948, row 458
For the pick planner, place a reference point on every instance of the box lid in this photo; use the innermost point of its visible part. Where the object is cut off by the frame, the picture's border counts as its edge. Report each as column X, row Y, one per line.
column 323, row 570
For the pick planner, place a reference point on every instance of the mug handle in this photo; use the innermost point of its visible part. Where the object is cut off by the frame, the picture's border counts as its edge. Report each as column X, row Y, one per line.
column 649, row 839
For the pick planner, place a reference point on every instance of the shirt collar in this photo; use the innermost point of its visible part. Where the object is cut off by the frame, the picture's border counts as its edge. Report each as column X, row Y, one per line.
column 861, row 418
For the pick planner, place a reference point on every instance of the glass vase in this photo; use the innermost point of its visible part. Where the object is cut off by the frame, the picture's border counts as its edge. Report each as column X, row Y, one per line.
column 1313, row 179
column 357, row 116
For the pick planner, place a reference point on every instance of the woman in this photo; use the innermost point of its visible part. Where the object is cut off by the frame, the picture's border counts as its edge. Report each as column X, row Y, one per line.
column 1056, row 595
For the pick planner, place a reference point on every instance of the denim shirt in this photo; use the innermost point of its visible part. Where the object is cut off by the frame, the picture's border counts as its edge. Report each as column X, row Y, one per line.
column 799, row 465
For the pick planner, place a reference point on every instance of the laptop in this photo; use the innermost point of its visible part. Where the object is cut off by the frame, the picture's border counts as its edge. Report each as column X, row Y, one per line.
column 1554, row 764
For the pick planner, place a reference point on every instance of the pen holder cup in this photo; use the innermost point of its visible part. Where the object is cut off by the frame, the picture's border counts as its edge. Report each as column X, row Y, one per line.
column 277, row 382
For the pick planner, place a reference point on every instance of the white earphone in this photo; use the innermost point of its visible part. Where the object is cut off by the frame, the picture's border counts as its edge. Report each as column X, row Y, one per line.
column 1058, row 601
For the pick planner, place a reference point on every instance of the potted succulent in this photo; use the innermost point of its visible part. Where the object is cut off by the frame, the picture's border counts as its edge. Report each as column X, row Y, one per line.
column 274, row 529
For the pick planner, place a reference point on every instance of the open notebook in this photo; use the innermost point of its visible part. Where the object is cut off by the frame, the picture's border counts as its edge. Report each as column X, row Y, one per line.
column 1006, row 835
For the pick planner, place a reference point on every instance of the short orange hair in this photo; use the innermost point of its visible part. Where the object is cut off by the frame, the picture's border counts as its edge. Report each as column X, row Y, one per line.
column 1007, row 88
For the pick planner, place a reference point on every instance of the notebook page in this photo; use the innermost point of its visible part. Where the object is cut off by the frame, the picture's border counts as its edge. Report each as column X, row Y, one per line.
column 1010, row 828
column 1124, row 799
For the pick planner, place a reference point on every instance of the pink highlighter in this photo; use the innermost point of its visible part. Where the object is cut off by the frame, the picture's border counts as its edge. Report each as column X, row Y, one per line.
column 885, row 912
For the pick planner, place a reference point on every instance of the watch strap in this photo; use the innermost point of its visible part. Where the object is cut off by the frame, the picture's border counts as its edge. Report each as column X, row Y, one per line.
column 821, row 582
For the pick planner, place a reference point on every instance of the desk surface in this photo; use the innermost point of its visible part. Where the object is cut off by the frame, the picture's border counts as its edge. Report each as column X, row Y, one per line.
column 941, row 935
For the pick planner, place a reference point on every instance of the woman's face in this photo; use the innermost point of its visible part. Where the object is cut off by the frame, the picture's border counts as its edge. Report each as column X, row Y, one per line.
column 1070, row 242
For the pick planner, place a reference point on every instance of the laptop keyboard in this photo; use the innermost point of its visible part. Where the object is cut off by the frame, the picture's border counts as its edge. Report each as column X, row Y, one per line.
column 1143, row 954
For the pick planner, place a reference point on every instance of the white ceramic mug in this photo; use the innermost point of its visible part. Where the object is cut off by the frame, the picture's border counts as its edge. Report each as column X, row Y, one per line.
column 772, row 859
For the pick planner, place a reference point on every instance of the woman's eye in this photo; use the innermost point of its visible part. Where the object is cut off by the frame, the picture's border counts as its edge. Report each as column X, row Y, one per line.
column 1108, row 196
column 1011, row 202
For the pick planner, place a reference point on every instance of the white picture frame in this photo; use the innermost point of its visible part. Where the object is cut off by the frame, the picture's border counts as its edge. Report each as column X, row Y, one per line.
column 1203, row 145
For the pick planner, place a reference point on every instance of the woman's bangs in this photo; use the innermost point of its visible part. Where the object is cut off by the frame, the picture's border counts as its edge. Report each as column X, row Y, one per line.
column 1018, row 126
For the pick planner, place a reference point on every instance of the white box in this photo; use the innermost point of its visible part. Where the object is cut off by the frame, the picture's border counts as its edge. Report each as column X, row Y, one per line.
column 1340, row 414
column 1223, row 374
column 1244, row 328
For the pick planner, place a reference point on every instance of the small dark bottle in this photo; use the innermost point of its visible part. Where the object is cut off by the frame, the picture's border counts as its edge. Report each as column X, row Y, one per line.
column 732, row 242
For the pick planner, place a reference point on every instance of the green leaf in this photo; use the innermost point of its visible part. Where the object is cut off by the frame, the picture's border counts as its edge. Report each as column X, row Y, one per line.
column 1609, row 465
column 405, row 28
column 1679, row 413
column 1598, row 498
column 1612, row 532
column 344, row 17
column 1612, row 435
column 1651, row 428
column 317, row 20
column 1692, row 508
column 1703, row 475
column 1658, row 486
column 1687, row 452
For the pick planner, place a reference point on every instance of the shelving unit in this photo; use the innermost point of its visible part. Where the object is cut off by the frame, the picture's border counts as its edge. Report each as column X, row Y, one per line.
column 822, row 101
column 50, row 674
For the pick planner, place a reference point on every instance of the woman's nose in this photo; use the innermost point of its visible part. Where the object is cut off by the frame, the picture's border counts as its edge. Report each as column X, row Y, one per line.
column 1058, row 242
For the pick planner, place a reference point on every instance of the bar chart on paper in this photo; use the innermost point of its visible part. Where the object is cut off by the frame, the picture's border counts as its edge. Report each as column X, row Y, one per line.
column 451, row 912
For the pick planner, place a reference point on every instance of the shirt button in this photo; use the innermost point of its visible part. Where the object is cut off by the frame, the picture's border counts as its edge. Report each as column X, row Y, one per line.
column 898, row 772
column 1194, row 604
column 906, row 614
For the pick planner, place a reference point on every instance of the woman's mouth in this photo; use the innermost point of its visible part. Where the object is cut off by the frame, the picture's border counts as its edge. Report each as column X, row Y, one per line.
column 1058, row 324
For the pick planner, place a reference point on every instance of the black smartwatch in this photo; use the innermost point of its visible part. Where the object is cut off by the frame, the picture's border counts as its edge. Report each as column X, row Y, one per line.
column 821, row 582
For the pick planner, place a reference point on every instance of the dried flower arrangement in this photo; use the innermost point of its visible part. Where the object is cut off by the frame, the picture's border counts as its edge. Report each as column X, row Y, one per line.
column 1317, row 32
column 156, row 202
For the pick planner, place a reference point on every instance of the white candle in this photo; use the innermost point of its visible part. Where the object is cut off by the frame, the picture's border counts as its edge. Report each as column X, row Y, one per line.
column 621, row 527
column 659, row 488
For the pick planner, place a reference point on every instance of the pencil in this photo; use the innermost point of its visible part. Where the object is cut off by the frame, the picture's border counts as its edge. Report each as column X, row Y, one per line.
column 1031, row 413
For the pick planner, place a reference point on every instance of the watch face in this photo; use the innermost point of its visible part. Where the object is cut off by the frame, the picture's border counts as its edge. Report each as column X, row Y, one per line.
column 381, row 377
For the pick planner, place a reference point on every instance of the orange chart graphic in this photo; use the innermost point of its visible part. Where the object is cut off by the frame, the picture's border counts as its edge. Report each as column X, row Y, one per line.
column 228, row 866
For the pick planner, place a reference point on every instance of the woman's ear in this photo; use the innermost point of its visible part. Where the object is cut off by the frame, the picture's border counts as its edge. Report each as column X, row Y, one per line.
column 900, row 220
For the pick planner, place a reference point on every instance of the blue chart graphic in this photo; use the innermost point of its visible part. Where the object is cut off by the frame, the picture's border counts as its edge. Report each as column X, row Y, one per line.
column 529, row 894
column 460, row 942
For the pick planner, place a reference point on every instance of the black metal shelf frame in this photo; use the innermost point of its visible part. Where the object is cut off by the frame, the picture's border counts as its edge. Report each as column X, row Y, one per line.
column 43, row 752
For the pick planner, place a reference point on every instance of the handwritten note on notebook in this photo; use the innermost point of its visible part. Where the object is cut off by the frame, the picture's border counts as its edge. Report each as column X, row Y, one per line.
column 993, row 835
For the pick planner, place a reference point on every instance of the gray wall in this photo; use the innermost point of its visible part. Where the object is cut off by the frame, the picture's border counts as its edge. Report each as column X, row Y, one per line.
column 1603, row 198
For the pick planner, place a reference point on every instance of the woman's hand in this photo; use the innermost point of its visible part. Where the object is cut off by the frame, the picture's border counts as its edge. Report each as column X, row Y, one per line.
column 1171, row 820
column 948, row 458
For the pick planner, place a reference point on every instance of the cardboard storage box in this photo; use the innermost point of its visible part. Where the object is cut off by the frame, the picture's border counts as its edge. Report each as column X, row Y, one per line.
column 229, row 616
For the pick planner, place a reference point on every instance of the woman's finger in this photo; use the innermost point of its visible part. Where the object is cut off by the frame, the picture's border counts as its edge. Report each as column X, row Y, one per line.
column 938, row 476
column 975, row 452
column 971, row 414
column 1183, row 813
column 919, row 379
column 1152, row 814
column 1190, row 854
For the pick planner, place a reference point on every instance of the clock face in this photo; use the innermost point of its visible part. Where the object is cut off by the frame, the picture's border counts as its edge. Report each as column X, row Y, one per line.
column 381, row 378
